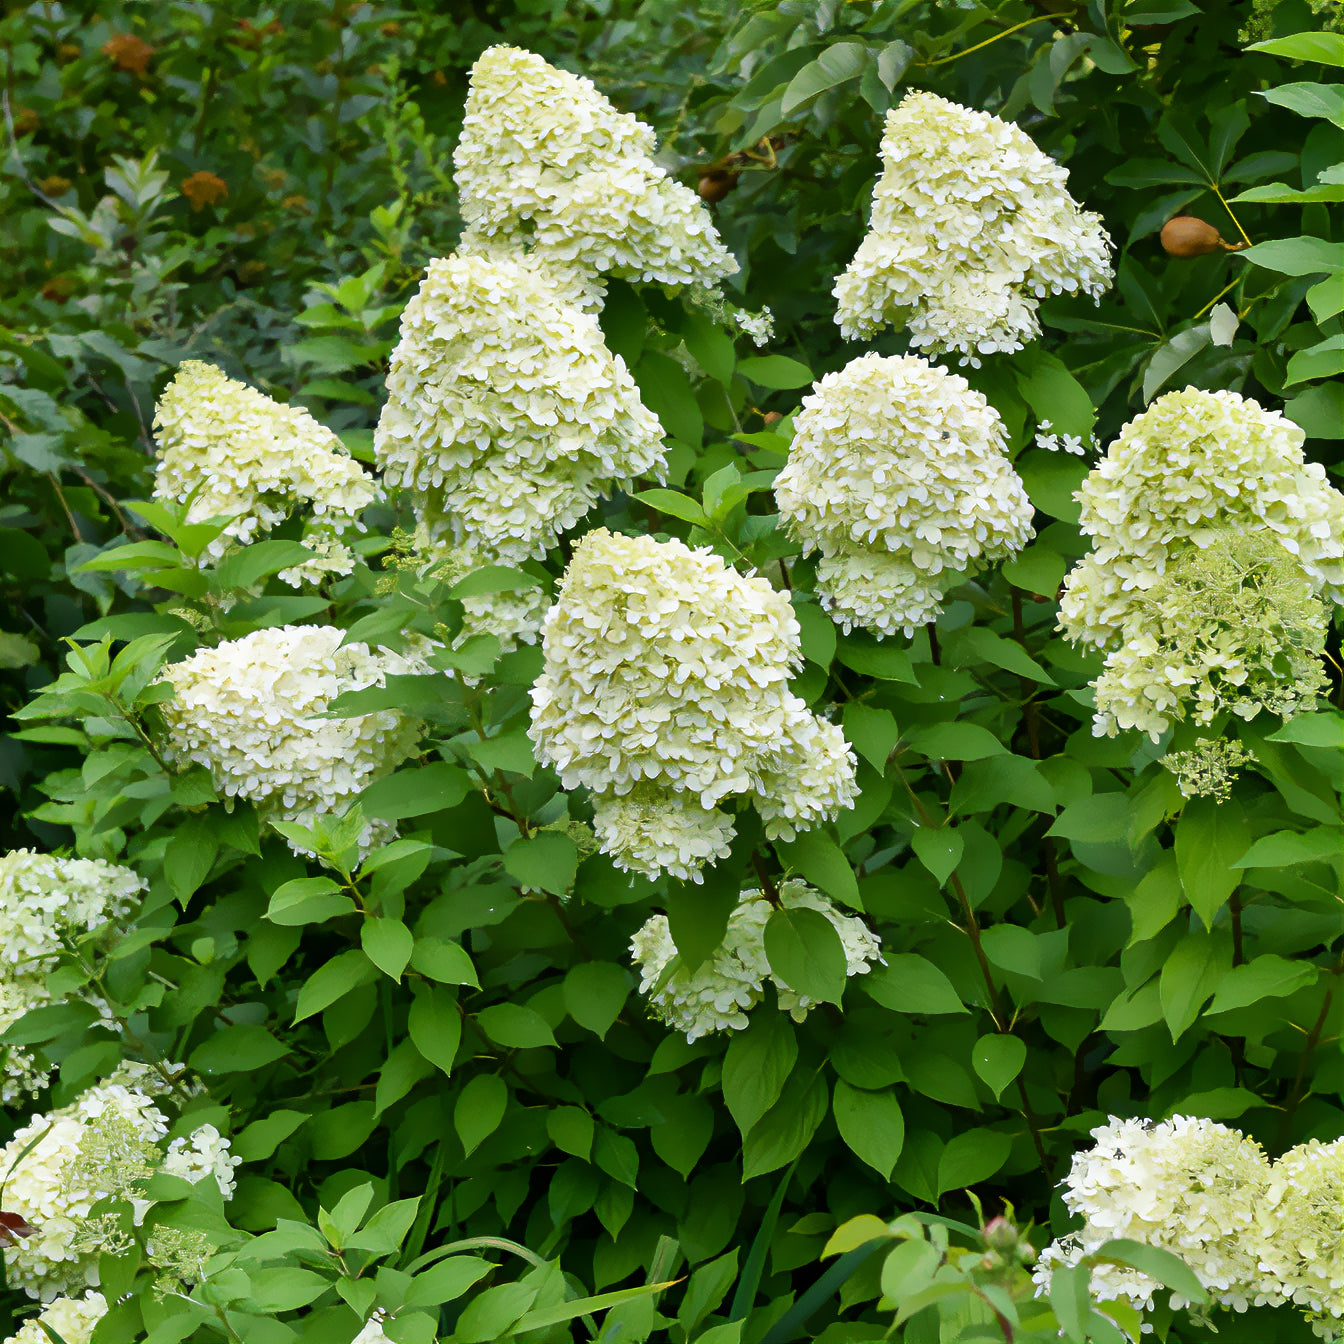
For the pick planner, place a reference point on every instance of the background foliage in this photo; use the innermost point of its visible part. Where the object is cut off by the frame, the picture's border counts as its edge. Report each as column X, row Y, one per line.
column 441, row 1047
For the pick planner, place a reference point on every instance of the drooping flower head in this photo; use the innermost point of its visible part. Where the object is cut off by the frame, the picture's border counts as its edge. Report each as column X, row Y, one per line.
column 898, row 476
column 1301, row 1244
column 45, row 901
column 507, row 416
column 1214, row 544
column 545, row 158
column 665, row 693
column 72, row 1318
column 225, row 448
column 1189, row 1186
column 972, row 226
column 717, row 995
column 251, row 712
column 103, row 1145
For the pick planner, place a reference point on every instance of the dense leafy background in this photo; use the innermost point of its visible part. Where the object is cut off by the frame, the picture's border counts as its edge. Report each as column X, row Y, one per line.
column 1065, row 937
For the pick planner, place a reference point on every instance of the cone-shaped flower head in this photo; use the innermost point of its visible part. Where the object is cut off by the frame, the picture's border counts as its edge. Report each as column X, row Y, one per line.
column 717, row 995
column 1301, row 1245
column 898, row 476
column 72, row 1318
column 1214, row 544
column 545, row 158
column 251, row 712
column 971, row 227
column 59, row 1165
column 665, row 693
column 507, row 416
column 1189, row 1186
column 43, row 902
column 225, row 448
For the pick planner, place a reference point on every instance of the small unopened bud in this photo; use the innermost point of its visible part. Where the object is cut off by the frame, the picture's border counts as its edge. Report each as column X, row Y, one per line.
column 715, row 184
column 999, row 1234
column 991, row 1260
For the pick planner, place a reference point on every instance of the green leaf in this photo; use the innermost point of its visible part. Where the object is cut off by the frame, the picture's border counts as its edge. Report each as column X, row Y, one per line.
column 1012, row 948
column 595, row 992
column 1173, row 355
column 954, row 741
column 1168, row 1269
column 1102, row 818
column 1297, row 256
column 666, row 391
column 836, row 65
column 571, row 1130
column 972, row 1156
column 435, row 1024
column 446, row 1281
column 1053, row 393
column 1266, row 977
column 493, row 579
column 775, row 371
column 909, row 983
column 709, row 345
column 1309, row 100
column 237, row 1049
column 688, row 1126
column 939, row 850
column 817, row 632
column 515, row 1026
column 1327, row 48
column 698, row 913
column 276, row 1290
column 479, row 1109
column 756, row 1066
column 872, row 659
column 333, row 981
column 415, row 793
column 540, row 1318
column 1190, row 975
column 998, row 1059
column 787, row 1127
column 308, row 900
column 806, row 954
column 677, row 505
column 1039, row 569
column 1210, row 836
column 871, row 1124
column 822, row 862
column 246, row 567
column 1285, row 848
column 447, row 963
column 388, row 943
column 974, row 643
column 1319, row 411
column 871, row 732
column 189, row 857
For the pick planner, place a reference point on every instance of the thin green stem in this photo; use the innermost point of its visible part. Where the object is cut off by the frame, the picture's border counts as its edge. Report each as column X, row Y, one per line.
column 988, row 42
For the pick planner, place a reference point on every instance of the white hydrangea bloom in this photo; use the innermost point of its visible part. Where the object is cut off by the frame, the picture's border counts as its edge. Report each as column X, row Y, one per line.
column 72, row 1318
column 1052, row 442
column 206, row 1152
column 971, row 227
column 225, row 448
column 898, row 475
column 1191, row 461
column 665, row 693
column 103, row 1144
column 251, row 712
column 545, row 158
column 1301, row 1244
column 43, row 901
column 1189, row 1186
column 718, row 994
column 507, row 417
column 758, row 327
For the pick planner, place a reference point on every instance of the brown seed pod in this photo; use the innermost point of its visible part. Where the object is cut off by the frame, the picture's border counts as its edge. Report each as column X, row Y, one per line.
column 715, row 184
column 1186, row 236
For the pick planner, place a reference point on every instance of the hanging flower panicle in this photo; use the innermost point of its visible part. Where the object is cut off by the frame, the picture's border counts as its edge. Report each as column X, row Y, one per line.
column 898, row 476
column 971, row 227
column 665, row 693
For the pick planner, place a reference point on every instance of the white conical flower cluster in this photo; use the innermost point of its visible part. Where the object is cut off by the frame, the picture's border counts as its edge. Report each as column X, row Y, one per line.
column 72, row 1318
column 251, row 712
column 1253, row 1232
column 1212, row 541
column 45, row 901
column 972, row 226
column 717, row 995
column 507, row 416
column 665, row 693
column 545, row 159
column 1301, row 1247
column 59, row 1165
column 1190, row 1186
column 225, row 448
column 898, row 476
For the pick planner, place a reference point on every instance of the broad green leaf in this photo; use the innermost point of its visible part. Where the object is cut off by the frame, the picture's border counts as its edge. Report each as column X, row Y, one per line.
column 871, row 732
column 540, row 1318
column 873, row 659
column 435, row 1024
column 775, row 371
column 1327, row 48
column 414, row 793
column 787, row 1127
column 1309, row 100
column 446, row 1281
column 972, row 1156
column 1285, row 848
column 515, row 1026
column 332, row 981
column 756, row 1066
column 939, row 850
column 237, row 1049
column 838, row 63
column 1039, row 569
column 1168, row 1269
column 1012, row 948
column 805, row 953
column 1210, row 836
column 677, row 505
column 1190, row 976
column 547, row 861
column 822, row 862
column 1102, row 818
column 595, row 992
column 479, row 1109
column 974, row 644
column 1266, row 977
column 688, row 1126
column 571, row 1130
column 308, row 900
column 447, row 963
column 1319, row 410
column 998, row 1059
column 1297, row 256
column 954, row 741
column 909, row 983
column 871, row 1124
column 493, row 579
column 388, row 943
column 698, row 913
column 666, row 390
column 1174, row 355
column 1053, row 393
